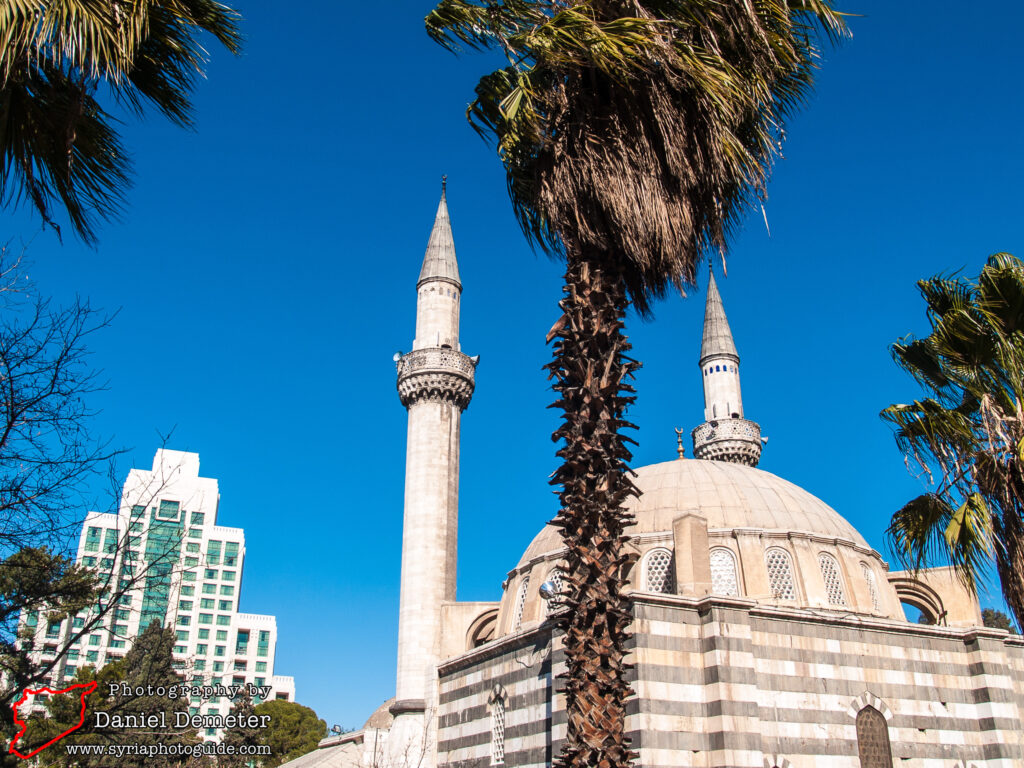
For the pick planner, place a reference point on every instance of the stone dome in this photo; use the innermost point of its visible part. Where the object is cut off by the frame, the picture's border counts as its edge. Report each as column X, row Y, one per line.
column 739, row 531
column 728, row 495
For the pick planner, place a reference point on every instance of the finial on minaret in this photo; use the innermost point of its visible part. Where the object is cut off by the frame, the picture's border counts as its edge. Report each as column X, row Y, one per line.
column 439, row 262
column 725, row 435
column 679, row 443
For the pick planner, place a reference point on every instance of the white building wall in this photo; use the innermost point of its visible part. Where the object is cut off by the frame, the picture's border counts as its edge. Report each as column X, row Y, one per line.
column 203, row 586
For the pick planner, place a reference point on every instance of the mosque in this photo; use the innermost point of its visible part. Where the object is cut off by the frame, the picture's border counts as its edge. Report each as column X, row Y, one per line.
column 767, row 631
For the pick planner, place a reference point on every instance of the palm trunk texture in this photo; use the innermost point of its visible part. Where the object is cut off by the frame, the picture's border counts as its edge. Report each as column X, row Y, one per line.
column 591, row 373
column 1009, row 534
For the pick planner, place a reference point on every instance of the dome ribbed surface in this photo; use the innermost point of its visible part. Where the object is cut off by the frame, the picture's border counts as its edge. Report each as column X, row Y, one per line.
column 729, row 495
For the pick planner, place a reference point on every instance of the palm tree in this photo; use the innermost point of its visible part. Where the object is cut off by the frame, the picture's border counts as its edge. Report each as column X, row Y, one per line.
column 57, row 143
column 967, row 436
column 633, row 136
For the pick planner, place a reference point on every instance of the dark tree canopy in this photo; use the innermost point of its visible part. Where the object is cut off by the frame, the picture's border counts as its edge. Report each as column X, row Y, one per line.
column 293, row 731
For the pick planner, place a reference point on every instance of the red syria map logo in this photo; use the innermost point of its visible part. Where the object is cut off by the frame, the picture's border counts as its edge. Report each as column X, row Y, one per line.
column 86, row 689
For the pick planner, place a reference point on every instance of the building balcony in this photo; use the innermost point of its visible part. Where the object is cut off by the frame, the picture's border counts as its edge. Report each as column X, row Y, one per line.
column 734, row 440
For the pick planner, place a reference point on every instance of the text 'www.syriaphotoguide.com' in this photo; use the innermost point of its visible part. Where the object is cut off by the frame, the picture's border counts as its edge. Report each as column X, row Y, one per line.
column 153, row 750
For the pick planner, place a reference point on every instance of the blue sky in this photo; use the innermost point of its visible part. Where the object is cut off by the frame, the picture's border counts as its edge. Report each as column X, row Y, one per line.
column 265, row 274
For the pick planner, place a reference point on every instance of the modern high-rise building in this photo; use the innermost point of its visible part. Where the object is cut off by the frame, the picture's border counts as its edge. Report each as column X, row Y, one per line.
column 163, row 558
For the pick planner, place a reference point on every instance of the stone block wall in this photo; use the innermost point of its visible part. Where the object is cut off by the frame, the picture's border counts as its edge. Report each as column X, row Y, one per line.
column 726, row 683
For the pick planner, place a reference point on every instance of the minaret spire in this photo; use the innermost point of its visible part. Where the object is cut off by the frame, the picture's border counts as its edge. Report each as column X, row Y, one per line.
column 725, row 435
column 439, row 262
column 717, row 340
column 435, row 384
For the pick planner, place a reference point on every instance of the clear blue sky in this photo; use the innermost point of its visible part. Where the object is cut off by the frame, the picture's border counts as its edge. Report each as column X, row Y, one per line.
column 265, row 274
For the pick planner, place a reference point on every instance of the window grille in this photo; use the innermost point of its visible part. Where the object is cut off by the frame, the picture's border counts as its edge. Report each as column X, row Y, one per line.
column 661, row 572
column 553, row 603
column 780, row 574
column 498, row 731
column 833, row 581
column 873, row 739
column 723, row 573
column 869, row 577
column 517, row 620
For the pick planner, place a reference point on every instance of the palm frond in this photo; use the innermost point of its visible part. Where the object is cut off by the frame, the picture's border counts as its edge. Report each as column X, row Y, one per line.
column 61, row 54
column 643, row 138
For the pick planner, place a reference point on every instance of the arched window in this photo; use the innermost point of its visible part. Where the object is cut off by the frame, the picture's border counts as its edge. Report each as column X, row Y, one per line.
column 833, row 580
column 780, row 574
column 554, row 581
column 498, row 730
column 660, row 572
column 873, row 739
column 517, row 617
column 869, row 577
column 723, row 572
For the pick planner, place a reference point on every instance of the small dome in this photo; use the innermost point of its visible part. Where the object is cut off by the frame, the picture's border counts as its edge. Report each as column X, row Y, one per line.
column 729, row 495
column 381, row 718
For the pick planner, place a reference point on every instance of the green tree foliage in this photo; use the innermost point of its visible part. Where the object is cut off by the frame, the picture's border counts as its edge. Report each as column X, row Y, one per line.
column 64, row 712
column 292, row 731
column 990, row 617
column 634, row 136
column 44, row 588
column 148, row 663
column 240, row 737
column 967, row 435
column 58, row 144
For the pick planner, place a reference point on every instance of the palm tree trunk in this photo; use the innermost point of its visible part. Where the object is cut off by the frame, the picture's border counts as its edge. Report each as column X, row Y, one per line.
column 591, row 372
column 1009, row 530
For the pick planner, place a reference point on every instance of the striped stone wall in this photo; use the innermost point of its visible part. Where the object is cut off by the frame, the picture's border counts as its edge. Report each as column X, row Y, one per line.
column 724, row 683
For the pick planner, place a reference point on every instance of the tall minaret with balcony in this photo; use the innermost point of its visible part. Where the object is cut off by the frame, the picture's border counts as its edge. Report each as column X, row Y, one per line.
column 725, row 435
column 435, row 384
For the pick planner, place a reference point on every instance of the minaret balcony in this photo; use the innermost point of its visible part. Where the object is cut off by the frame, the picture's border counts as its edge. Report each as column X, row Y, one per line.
column 733, row 440
column 436, row 374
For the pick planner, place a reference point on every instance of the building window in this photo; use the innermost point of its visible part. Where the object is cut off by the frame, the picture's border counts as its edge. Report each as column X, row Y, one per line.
column 168, row 510
column 660, row 574
column 833, row 581
column 498, row 731
column 553, row 602
column 723, row 572
column 517, row 617
column 869, row 577
column 873, row 739
column 780, row 574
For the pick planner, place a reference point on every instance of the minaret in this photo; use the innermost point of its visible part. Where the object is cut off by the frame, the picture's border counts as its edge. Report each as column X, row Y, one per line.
column 435, row 384
column 725, row 435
